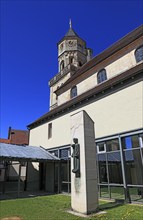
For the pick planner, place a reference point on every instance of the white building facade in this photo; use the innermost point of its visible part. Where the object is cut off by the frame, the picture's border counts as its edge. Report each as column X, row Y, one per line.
column 109, row 87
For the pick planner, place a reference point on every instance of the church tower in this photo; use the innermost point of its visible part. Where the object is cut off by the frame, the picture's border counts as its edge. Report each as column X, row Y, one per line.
column 72, row 54
column 72, row 50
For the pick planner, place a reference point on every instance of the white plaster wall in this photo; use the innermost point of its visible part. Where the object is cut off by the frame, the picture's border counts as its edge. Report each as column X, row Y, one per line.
column 122, row 64
column 81, row 88
column 39, row 136
column 118, row 112
column 87, row 84
column 64, row 97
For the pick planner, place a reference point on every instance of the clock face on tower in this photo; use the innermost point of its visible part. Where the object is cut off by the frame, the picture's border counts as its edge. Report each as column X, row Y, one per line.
column 70, row 43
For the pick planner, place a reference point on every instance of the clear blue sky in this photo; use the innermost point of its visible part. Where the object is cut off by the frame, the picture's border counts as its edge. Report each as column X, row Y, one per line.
column 30, row 31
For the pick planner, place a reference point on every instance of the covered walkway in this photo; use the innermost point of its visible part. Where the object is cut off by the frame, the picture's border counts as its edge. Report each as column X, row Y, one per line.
column 14, row 159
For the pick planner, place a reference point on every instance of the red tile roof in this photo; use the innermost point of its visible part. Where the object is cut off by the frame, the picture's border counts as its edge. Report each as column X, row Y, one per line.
column 19, row 136
column 3, row 140
column 15, row 136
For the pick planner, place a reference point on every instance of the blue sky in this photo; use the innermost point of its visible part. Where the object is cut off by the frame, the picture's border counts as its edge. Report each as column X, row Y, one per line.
column 30, row 31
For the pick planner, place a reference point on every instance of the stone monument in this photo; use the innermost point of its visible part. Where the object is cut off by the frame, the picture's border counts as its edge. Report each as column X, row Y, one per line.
column 84, row 189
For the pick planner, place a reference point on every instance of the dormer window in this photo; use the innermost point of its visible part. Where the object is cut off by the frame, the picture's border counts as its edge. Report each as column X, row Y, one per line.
column 101, row 76
column 62, row 65
column 139, row 54
column 74, row 92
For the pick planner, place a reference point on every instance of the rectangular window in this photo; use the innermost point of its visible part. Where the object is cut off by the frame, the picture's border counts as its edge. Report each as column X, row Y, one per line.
column 101, row 147
column 65, row 153
column 131, row 142
column 49, row 130
column 112, row 145
column 134, row 167
column 54, row 152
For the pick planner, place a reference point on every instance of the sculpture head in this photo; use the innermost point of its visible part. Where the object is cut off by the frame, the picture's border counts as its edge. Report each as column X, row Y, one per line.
column 75, row 140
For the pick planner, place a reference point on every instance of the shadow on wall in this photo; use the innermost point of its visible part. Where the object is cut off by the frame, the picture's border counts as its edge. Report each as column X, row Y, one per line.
column 13, row 172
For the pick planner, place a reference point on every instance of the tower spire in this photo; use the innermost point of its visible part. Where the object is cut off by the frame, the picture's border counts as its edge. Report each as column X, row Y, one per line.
column 70, row 23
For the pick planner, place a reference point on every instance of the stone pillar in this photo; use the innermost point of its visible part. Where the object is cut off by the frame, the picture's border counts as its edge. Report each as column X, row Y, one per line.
column 84, row 189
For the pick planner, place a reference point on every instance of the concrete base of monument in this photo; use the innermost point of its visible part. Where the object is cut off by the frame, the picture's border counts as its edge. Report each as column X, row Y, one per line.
column 84, row 189
column 89, row 215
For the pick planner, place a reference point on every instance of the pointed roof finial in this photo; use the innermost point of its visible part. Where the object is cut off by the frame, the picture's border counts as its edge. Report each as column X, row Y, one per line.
column 70, row 23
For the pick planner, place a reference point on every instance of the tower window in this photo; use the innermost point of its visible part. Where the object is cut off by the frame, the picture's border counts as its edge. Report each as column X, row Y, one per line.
column 139, row 54
column 101, row 76
column 71, row 59
column 49, row 130
column 74, row 92
column 56, row 97
column 80, row 63
column 62, row 65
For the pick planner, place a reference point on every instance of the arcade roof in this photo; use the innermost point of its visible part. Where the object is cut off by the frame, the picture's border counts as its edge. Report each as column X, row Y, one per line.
column 25, row 153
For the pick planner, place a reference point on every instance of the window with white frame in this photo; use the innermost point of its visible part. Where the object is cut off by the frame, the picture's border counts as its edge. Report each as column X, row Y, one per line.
column 101, row 147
